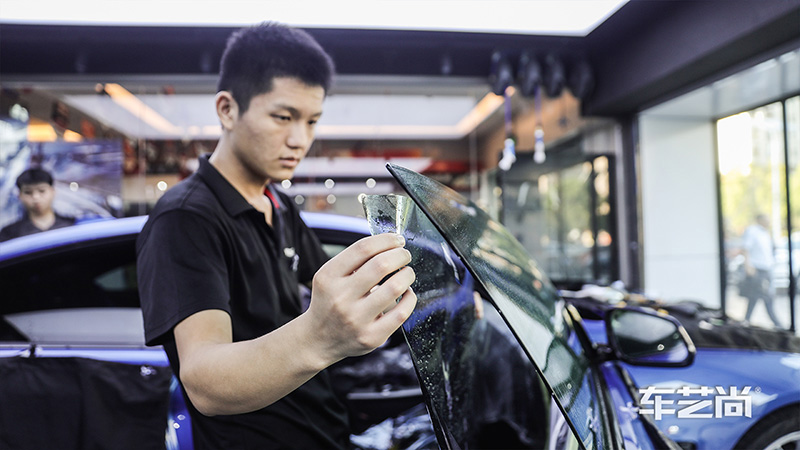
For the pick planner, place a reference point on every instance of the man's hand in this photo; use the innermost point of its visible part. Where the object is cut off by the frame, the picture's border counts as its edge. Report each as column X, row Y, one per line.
column 352, row 311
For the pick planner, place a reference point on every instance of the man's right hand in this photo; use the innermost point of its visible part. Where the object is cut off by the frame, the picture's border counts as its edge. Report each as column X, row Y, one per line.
column 351, row 310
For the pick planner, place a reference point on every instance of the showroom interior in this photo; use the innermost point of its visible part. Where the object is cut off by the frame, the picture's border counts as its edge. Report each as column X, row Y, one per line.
column 636, row 149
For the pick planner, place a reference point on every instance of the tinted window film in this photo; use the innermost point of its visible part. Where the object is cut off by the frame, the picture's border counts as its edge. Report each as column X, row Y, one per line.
column 482, row 389
column 527, row 301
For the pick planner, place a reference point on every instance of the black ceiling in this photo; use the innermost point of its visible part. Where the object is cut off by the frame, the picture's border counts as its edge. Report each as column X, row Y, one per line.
column 647, row 51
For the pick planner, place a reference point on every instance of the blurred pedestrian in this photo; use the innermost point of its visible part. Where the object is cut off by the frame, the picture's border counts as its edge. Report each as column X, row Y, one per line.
column 759, row 258
column 36, row 194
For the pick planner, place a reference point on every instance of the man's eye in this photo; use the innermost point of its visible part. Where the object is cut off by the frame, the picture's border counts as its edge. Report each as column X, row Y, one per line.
column 282, row 117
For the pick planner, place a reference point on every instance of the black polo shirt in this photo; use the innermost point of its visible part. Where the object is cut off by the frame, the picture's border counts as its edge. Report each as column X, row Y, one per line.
column 205, row 247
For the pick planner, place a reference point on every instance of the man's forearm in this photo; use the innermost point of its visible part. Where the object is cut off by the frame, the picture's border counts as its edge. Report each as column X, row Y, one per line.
column 239, row 377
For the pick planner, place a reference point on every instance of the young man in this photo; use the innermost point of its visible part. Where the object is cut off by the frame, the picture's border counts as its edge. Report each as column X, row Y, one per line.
column 36, row 194
column 220, row 258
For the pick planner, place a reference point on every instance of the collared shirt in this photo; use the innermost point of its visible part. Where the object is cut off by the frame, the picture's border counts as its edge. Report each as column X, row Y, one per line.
column 205, row 247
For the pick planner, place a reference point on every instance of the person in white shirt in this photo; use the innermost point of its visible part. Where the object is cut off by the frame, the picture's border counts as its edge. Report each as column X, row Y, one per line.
column 759, row 257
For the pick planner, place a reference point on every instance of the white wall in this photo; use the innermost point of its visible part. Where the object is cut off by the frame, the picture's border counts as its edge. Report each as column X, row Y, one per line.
column 679, row 208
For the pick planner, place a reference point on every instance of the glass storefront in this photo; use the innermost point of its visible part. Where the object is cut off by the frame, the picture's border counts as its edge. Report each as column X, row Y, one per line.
column 758, row 156
column 562, row 212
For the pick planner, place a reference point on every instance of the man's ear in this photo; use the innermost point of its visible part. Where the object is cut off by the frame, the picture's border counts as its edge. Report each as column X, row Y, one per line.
column 227, row 109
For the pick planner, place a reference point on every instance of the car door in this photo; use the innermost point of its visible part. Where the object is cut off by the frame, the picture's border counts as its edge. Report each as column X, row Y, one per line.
column 72, row 354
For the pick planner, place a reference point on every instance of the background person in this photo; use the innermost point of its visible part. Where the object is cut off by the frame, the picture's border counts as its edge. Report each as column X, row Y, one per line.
column 221, row 256
column 36, row 194
column 759, row 258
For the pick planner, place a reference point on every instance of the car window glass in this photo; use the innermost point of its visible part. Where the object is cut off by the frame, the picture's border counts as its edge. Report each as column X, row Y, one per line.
column 95, row 274
column 118, row 279
column 41, row 289
column 482, row 389
column 527, row 301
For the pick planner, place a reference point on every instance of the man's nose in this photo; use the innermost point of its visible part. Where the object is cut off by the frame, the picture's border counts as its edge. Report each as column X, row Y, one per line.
column 300, row 136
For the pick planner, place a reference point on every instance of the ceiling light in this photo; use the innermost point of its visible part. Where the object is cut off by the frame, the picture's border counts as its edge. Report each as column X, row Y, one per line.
column 71, row 136
column 488, row 105
column 139, row 109
column 41, row 132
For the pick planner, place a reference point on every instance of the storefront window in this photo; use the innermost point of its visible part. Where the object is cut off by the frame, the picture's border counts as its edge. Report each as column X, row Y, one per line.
column 753, row 174
column 562, row 215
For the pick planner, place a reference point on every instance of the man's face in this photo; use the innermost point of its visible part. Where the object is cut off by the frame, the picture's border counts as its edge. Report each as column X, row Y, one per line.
column 36, row 198
column 277, row 130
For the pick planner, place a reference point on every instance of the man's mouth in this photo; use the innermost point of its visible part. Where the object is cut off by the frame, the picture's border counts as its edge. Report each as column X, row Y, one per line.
column 289, row 162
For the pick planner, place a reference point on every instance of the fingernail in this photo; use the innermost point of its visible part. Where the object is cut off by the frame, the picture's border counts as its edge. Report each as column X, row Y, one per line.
column 401, row 241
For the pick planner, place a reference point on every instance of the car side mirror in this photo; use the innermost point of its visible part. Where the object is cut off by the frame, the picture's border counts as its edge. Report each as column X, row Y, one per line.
column 645, row 338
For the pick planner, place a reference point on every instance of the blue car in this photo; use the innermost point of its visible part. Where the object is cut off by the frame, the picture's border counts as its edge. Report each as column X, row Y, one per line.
column 496, row 354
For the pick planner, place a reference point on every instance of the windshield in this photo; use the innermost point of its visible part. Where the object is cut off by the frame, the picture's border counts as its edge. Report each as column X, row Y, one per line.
column 458, row 250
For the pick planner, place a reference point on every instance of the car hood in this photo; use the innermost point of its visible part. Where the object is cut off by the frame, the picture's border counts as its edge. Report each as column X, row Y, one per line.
column 457, row 249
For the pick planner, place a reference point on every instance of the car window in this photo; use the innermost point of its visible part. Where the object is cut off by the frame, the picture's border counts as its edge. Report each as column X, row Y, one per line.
column 98, row 273
column 74, row 293
column 85, row 291
column 528, row 303
column 482, row 389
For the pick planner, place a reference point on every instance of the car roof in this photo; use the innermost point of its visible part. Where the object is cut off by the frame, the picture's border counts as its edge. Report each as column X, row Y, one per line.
column 76, row 234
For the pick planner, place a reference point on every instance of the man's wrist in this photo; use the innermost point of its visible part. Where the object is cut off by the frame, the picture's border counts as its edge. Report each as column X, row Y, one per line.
column 312, row 347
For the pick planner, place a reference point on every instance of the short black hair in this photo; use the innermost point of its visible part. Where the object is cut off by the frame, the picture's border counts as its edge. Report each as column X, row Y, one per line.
column 34, row 176
column 255, row 55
